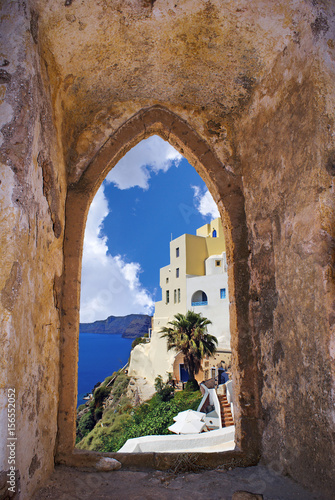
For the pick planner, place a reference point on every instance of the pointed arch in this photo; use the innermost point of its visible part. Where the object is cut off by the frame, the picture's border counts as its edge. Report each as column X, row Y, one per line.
column 226, row 189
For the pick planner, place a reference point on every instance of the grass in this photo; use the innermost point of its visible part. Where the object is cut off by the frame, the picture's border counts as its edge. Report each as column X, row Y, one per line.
column 120, row 421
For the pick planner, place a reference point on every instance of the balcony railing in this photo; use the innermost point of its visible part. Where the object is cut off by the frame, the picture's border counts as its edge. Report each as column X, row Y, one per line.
column 202, row 303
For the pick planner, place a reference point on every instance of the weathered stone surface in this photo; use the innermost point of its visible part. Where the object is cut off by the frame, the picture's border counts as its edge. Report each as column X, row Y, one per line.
column 246, row 91
column 107, row 464
column 5, row 493
column 67, row 482
column 246, row 495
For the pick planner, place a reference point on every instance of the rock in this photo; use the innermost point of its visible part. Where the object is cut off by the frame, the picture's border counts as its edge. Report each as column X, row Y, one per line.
column 245, row 495
column 106, row 464
column 130, row 326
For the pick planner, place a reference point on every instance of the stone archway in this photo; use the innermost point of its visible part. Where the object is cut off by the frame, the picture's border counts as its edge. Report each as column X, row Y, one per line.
column 227, row 192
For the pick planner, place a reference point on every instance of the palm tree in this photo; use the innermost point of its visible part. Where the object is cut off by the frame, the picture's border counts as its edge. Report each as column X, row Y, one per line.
column 188, row 334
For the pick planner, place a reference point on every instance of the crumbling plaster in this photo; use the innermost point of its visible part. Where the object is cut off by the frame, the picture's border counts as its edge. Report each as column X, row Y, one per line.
column 31, row 249
column 246, row 91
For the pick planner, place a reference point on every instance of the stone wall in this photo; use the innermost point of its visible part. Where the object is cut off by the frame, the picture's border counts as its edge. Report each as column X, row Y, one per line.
column 286, row 148
column 245, row 90
column 32, row 213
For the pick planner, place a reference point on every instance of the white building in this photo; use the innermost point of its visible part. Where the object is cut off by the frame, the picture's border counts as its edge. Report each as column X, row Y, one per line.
column 196, row 279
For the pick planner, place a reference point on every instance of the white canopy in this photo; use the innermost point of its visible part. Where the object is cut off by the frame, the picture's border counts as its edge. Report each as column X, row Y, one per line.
column 188, row 422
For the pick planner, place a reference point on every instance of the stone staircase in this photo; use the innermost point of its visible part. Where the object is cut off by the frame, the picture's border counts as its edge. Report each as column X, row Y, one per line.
column 226, row 415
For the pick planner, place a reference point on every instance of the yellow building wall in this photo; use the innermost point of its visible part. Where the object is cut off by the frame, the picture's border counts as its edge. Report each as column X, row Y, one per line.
column 203, row 230
column 215, row 245
column 196, row 253
column 207, row 229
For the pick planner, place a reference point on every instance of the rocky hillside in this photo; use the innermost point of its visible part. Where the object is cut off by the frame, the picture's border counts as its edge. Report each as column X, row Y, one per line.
column 131, row 326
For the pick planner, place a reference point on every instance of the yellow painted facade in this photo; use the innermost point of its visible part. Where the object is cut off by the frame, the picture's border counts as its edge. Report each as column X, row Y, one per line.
column 187, row 258
column 188, row 254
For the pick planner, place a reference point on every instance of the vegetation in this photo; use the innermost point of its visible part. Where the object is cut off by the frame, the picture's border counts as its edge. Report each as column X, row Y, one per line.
column 139, row 340
column 165, row 392
column 120, row 421
column 89, row 415
column 188, row 334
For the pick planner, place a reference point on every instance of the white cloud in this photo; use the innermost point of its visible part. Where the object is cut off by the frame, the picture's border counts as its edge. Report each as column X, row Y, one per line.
column 149, row 156
column 110, row 286
column 205, row 203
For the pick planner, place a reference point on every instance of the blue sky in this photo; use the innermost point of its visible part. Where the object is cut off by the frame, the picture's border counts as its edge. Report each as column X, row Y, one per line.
column 152, row 192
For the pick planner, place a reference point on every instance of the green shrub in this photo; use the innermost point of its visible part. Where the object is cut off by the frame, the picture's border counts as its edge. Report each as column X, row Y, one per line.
column 120, row 385
column 108, row 379
column 85, row 425
column 137, row 341
column 122, row 422
column 159, row 384
column 100, row 394
column 98, row 413
column 151, row 418
column 192, row 385
column 164, row 391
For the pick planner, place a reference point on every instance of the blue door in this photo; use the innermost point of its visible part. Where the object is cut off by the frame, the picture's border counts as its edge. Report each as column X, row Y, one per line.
column 183, row 373
column 223, row 376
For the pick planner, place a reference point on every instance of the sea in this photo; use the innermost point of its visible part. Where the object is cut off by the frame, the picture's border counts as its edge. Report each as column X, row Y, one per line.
column 99, row 356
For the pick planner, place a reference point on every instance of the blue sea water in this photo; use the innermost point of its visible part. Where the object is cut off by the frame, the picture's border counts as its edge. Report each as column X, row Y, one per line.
column 99, row 356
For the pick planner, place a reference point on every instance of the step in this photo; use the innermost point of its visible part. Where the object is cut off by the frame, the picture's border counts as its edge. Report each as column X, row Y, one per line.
column 226, row 415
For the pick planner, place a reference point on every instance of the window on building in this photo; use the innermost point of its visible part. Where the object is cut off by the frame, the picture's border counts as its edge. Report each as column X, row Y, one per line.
column 178, row 295
column 214, row 233
column 177, row 252
column 177, row 272
column 199, row 298
column 167, row 296
column 218, row 263
column 222, row 293
column 175, row 296
column 167, row 280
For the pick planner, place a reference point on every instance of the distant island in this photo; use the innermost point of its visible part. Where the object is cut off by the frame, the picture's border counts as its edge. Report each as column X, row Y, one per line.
column 130, row 327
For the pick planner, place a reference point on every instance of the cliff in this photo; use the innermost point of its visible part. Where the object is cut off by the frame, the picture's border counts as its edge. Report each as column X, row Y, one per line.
column 131, row 326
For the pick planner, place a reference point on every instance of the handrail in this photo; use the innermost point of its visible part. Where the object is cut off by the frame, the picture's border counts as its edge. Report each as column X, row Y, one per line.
column 112, row 379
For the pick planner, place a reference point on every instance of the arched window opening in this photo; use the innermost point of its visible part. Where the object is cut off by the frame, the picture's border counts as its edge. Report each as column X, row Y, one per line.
column 116, row 288
column 199, row 298
column 214, row 233
column 79, row 197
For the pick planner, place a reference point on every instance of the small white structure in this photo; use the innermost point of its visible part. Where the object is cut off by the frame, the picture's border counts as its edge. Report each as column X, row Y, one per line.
column 206, row 442
column 191, row 422
column 219, row 439
column 188, row 422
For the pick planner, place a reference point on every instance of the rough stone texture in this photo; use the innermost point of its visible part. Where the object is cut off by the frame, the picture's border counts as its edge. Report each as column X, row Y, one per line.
column 246, row 495
column 245, row 90
column 108, row 464
column 5, row 494
column 67, row 483
column 31, row 207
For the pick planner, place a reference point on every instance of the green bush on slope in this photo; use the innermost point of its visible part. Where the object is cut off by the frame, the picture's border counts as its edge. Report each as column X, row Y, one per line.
column 151, row 418
column 118, row 400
